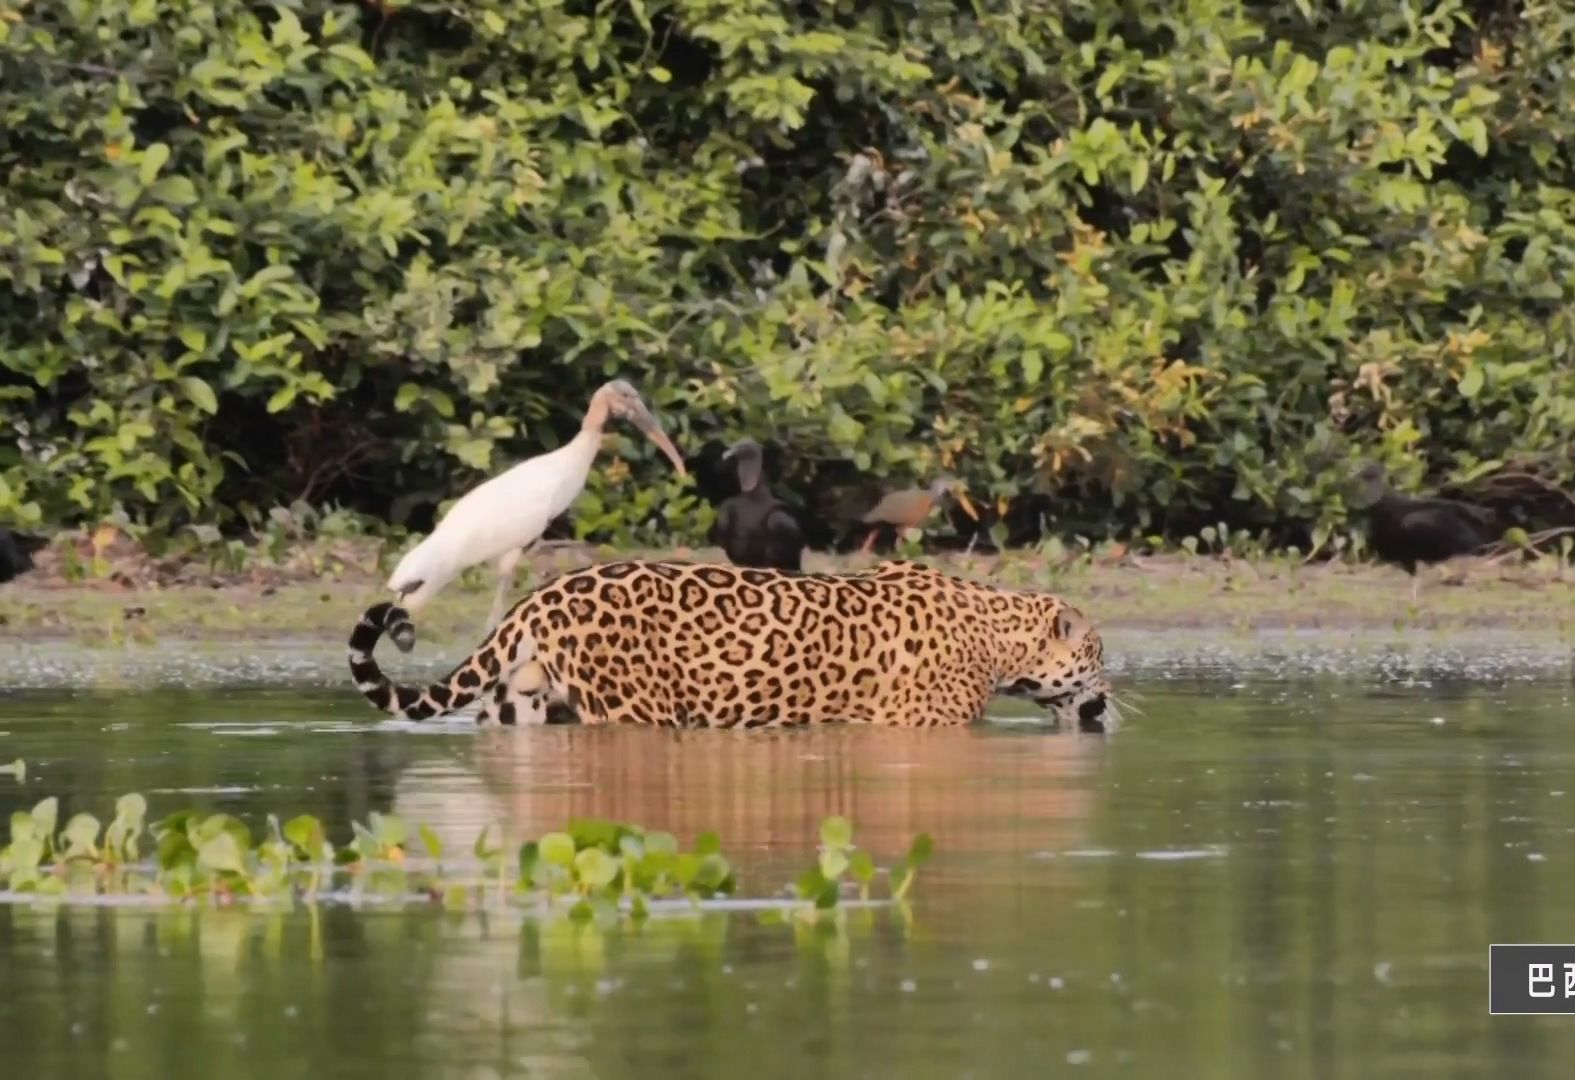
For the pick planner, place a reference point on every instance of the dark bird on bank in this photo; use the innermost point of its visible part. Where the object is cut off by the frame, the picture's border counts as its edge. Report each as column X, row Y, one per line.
column 1408, row 531
column 16, row 553
column 754, row 527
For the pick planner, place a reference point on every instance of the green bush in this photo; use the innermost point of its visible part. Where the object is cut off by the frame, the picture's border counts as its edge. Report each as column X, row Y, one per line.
column 1131, row 266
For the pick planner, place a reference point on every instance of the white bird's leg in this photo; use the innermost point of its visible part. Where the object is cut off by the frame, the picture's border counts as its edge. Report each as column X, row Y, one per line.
column 505, row 566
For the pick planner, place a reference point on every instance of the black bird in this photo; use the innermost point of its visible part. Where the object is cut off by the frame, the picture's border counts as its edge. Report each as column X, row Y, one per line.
column 754, row 527
column 16, row 553
column 1409, row 531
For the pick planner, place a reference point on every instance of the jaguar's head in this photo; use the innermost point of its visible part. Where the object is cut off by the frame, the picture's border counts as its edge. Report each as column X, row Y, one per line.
column 1065, row 671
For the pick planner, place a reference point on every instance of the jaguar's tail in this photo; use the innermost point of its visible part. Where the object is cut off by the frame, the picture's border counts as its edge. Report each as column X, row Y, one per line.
column 458, row 689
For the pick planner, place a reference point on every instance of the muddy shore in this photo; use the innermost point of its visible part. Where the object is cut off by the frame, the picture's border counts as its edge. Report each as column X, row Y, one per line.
column 318, row 595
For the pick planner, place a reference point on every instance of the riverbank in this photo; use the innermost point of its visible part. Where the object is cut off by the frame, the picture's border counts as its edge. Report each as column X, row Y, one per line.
column 318, row 595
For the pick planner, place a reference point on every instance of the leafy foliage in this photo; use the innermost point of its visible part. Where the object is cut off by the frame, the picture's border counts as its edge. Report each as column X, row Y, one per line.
column 1146, row 266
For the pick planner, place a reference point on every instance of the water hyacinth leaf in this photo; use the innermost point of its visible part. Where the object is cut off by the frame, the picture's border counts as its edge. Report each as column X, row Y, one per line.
column 17, row 768
column 921, row 849
column 45, row 814
column 530, row 856
column 80, row 836
column 23, row 856
column 132, row 809
column 221, row 852
column 594, row 832
column 179, row 821
column 557, row 849
column 306, row 833
column 365, row 842
column 582, row 911
column 430, row 841
column 810, row 883
column 656, row 864
column 862, row 867
column 22, row 826
column 390, row 831
column 832, row 864
column 707, row 843
column 664, row 843
column 175, row 849
column 485, row 847
column 715, row 874
column 836, row 832
column 595, row 868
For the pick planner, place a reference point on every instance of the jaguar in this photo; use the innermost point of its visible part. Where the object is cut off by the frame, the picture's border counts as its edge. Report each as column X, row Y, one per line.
column 677, row 644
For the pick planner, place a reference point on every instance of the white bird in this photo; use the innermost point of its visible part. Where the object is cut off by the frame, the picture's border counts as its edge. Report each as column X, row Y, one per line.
column 497, row 520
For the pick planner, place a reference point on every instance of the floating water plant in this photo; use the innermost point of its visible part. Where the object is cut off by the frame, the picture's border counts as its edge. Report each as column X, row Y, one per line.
column 592, row 869
column 819, row 889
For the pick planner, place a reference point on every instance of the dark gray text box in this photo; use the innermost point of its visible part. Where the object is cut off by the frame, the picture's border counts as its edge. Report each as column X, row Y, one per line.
column 1531, row 979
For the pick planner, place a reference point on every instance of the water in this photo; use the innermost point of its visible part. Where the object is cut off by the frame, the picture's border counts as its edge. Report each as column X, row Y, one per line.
column 1290, row 864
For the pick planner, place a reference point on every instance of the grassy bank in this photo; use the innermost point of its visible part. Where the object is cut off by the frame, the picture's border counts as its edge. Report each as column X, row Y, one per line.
column 317, row 595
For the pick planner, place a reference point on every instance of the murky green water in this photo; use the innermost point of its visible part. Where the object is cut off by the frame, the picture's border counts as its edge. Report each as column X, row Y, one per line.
column 1291, row 864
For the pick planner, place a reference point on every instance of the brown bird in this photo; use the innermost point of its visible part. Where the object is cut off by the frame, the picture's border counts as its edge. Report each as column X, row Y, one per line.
column 907, row 509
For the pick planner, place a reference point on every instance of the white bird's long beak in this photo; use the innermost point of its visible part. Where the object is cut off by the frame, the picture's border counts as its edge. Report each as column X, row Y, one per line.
column 651, row 428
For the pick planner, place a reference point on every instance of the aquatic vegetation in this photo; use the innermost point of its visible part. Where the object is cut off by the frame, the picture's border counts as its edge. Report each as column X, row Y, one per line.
column 819, row 889
column 592, row 869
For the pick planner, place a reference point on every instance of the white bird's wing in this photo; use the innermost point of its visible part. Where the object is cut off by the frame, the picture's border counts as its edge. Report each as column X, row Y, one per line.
column 508, row 511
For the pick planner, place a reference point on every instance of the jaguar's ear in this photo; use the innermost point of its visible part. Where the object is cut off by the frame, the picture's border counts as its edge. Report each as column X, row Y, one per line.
column 1071, row 625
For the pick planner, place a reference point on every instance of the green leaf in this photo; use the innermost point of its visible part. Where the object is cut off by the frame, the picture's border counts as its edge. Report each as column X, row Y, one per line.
column 810, row 883
column 862, row 867
column 306, row 833
column 131, row 808
column 833, row 863
column 200, row 394
column 175, row 191
column 707, row 843
column 221, row 853
column 430, row 841
column 1471, row 381
column 1033, row 365
column 391, row 831
column 530, row 856
column 45, row 815
column 81, row 835
column 596, row 868
column 557, row 849
column 153, row 159
column 836, row 832
column 1138, row 176
column 281, row 399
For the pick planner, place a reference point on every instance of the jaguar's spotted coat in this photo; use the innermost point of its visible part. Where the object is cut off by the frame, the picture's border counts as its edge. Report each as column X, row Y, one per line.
column 705, row 645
